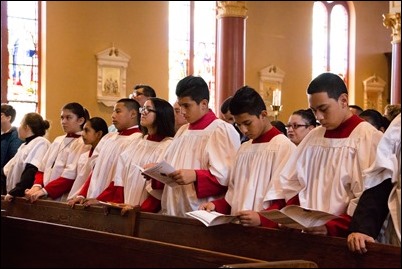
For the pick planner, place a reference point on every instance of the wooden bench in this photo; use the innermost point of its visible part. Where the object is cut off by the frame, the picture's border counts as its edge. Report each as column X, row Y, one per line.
column 263, row 243
column 255, row 242
column 278, row 264
column 37, row 244
column 99, row 218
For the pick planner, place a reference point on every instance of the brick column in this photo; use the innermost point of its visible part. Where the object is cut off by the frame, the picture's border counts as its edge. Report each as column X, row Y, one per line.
column 230, row 49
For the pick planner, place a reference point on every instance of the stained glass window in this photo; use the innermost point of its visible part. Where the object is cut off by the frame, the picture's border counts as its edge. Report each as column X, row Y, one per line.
column 192, row 34
column 22, row 84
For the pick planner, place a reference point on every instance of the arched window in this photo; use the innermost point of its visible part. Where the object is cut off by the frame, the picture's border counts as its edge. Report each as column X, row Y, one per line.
column 331, row 38
column 20, row 65
column 192, row 34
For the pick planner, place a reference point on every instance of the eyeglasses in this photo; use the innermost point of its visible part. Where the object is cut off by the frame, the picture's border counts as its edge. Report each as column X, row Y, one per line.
column 296, row 126
column 137, row 93
column 146, row 110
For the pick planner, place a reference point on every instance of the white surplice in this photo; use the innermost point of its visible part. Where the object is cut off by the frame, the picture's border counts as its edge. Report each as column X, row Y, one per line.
column 31, row 153
column 388, row 165
column 105, row 158
column 327, row 172
column 212, row 148
column 254, row 180
column 129, row 176
column 83, row 171
column 61, row 159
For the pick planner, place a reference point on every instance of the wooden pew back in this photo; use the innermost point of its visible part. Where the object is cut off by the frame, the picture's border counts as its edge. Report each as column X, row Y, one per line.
column 100, row 218
column 263, row 243
column 277, row 264
column 37, row 244
column 255, row 242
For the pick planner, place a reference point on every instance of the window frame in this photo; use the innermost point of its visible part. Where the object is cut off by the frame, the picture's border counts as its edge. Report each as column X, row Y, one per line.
column 192, row 51
column 5, row 54
column 329, row 6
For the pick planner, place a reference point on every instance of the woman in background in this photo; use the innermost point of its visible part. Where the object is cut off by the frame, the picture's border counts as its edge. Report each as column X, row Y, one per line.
column 300, row 123
column 19, row 172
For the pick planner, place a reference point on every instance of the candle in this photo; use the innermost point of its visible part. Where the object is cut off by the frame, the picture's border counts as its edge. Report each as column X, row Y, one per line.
column 276, row 98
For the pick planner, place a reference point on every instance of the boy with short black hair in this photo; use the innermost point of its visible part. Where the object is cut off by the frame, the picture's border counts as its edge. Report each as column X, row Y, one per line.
column 126, row 118
column 325, row 173
column 254, row 183
column 201, row 151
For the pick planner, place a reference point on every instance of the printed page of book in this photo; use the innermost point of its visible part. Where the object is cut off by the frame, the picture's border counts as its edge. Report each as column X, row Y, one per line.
column 211, row 218
column 160, row 172
column 297, row 217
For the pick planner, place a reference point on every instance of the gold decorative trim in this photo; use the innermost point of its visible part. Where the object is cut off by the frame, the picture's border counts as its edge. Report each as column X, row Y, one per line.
column 232, row 9
column 393, row 21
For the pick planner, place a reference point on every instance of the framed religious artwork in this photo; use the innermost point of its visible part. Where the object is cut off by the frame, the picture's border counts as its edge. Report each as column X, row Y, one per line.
column 374, row 87
column 111, row 75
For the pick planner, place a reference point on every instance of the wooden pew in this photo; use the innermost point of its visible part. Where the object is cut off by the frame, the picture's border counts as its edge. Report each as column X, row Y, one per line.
column 263, row 243
column 99, row 218
column 36, row 244
column 278, row 264
column 255, row 242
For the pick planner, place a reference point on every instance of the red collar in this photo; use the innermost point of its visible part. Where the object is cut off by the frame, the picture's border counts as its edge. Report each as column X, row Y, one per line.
column 155, row 138
column 203, row 122
column 73, row 135
column 130, row 131
column 344, row 129
column 91, row 151
column 267, row 136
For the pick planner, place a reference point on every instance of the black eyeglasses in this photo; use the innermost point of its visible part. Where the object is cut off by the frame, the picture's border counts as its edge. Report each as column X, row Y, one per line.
column 296, row 126
column 146, row 110
column 137, row 93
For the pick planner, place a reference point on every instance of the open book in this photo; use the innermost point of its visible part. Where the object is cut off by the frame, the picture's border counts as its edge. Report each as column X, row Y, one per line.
column 160, row 172
column 211, row 218
column 294, row 216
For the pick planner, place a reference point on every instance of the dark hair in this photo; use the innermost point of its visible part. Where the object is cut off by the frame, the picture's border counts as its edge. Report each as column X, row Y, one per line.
column 78, row 110
column 37, row 124
column 358, row 108
column 148, row 90
column 330, row 83
column 9, row 111
column 164, row 120
column 225, row 105
column 307, row 115
column 194, row 87
column 132, row 104
column 247, row 100
column 375, row 118
column 99, row 124
column 280, row 126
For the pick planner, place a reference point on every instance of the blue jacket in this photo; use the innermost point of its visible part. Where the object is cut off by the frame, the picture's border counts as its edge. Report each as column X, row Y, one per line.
column 9, row 145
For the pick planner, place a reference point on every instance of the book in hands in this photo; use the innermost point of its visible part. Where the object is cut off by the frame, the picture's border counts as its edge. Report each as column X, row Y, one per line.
column 160, row 172
column 297, row 217
column 211, row 218
column 112, row 204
